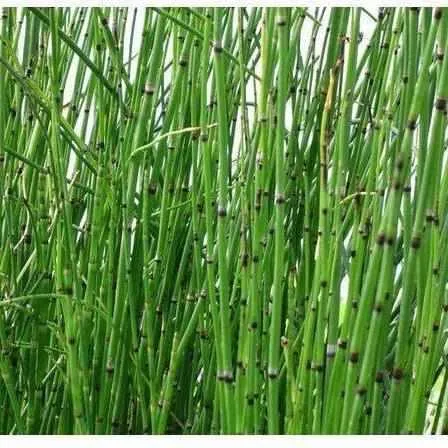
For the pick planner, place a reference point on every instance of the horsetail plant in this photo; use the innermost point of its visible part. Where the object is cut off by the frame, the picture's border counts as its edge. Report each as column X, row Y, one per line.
column 223, row 221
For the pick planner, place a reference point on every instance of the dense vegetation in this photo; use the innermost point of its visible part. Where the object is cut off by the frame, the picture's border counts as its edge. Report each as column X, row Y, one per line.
column 223, row 220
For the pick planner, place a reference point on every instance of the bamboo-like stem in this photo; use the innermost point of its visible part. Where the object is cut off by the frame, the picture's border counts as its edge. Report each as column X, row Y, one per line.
column 223, row 221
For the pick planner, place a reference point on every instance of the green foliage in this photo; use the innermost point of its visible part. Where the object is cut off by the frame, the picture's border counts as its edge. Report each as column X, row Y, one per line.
column 227, row 221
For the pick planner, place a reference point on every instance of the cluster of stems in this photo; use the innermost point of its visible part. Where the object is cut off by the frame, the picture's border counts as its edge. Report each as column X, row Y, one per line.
column 223, row 221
